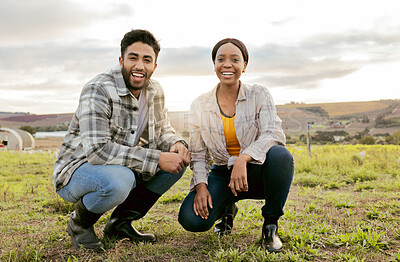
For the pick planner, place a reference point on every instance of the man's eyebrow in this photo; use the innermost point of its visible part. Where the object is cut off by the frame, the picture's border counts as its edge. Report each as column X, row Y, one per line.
column 135, row 54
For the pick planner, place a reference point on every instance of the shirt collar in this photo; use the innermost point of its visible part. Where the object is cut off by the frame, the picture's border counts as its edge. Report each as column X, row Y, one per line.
column 122, row 90
column 242, row 92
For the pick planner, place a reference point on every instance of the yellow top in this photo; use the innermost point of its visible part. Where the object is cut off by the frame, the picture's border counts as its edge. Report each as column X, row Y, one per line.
column 232, row 144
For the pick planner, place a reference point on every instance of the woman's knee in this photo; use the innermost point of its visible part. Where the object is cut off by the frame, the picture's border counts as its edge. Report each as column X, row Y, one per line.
column 280, row 154
column 280, row 162
column 189, row 221
column 193, row 223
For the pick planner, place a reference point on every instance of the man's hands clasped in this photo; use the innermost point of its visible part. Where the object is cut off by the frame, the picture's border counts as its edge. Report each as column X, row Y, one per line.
column 175, row 160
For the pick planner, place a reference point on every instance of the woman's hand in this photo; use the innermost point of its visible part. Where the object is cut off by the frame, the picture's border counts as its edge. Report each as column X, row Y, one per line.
column 201, row 201
column 238, row 182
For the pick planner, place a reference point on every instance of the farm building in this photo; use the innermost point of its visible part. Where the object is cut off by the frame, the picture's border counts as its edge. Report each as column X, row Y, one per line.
column 16, row 139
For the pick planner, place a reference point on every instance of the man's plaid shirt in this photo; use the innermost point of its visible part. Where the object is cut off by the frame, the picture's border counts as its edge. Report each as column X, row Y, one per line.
column 102, row 130
column 257, row 127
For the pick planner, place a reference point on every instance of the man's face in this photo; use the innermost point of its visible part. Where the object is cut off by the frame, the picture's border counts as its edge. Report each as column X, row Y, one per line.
column 137, row 65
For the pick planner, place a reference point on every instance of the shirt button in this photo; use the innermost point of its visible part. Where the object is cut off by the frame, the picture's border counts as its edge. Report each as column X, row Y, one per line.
column 135, row 108
column 132, row 132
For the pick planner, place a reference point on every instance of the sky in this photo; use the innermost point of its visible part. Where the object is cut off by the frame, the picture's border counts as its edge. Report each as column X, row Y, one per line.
column 308, row 51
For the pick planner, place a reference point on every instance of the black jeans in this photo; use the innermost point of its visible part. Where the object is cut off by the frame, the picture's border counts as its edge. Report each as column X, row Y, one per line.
column 270, row 181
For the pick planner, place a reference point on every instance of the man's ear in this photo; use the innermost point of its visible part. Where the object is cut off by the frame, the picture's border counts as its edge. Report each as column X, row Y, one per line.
column 121, row 61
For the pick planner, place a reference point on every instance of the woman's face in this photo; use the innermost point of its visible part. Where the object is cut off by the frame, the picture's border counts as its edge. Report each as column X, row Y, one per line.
column 229, row 64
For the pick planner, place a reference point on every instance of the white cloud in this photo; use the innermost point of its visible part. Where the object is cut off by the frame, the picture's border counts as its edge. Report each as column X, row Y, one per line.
column 305, row 50
column 35, row 20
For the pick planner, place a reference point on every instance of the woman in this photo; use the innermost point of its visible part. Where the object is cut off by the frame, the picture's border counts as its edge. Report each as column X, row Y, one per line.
column 236, row 124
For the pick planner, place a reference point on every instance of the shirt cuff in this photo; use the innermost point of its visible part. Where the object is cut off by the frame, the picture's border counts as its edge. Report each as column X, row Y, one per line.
column 231, row 161
column 150, row 162
column 197, row 181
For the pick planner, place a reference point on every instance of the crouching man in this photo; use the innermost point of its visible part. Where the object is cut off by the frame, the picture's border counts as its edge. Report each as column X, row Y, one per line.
column 120, row 150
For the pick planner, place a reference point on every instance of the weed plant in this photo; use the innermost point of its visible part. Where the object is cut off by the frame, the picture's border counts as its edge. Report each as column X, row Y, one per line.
column 344, row 205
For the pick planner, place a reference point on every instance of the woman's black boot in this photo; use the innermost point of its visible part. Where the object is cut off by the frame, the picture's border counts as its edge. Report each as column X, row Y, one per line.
column 225, row 225
column 80, row 228
column 270, row 240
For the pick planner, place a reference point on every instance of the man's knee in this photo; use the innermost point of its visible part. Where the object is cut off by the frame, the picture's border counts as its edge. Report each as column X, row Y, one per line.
column 163, row 181
column 179, row 175
column 118, row 189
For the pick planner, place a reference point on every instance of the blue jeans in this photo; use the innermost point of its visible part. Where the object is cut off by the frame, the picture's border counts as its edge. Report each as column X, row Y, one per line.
column 102, row 187
column 270, row 181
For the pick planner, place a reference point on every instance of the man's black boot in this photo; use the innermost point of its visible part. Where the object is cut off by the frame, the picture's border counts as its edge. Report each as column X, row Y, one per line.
column 270, row 240
column 80, row 228
column 136, row 206
column 225, row 225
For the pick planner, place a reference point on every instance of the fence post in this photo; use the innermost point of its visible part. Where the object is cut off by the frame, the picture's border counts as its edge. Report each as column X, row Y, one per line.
column 308, row 139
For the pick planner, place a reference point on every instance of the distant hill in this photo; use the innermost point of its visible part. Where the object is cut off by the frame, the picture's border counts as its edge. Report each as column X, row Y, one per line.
column 17, row 120
column 352, row 117
column 347, row 108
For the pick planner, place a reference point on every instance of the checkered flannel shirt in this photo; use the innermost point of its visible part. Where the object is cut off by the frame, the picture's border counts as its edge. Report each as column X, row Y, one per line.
column 102, row 130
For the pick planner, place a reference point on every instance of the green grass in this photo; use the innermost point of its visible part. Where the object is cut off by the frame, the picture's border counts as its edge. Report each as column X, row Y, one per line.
column 342, row 207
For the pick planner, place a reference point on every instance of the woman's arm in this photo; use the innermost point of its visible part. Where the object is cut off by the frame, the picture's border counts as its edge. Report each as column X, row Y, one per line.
column 270, row 130
column 200, row 158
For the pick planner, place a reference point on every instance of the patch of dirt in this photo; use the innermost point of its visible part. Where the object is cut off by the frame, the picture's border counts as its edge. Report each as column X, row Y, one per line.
column 52, row 143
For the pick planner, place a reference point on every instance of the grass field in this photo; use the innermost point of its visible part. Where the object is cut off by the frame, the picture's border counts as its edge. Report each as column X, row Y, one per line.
column 342, row 207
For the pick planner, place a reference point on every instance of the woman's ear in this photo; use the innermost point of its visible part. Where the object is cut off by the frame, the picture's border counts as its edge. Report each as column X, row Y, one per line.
column 244, row 67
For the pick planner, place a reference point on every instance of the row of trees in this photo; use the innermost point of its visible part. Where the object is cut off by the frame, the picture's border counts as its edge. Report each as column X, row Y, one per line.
column 33, row 130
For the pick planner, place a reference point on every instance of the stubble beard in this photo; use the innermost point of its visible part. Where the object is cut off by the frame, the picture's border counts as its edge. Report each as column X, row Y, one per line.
column 126, row 74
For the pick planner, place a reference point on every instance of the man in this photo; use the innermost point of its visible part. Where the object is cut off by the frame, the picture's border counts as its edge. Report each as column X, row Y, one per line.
column 120, row 149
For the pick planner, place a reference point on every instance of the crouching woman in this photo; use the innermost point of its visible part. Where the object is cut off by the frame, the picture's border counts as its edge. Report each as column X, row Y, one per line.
column 237, row 125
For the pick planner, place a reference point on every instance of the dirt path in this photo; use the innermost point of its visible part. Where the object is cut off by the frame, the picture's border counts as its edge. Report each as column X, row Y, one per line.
column 47, row 143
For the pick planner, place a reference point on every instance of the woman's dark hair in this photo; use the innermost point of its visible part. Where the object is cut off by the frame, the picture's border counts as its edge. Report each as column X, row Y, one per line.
column 234, row 41
column 139, row 35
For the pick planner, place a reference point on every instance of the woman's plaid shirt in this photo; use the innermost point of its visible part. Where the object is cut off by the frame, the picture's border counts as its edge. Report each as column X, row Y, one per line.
column 257, row 127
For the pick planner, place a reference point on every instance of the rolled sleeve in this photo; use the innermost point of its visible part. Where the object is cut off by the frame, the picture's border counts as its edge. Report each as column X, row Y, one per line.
column 200, row 157
column 270, row 130
column 150, row 163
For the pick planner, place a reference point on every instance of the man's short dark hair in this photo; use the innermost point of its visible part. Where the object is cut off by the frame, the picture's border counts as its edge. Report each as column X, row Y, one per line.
column 139, row 35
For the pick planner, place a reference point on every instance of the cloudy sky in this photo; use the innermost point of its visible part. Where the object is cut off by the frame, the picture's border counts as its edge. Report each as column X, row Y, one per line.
column 302, row 50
